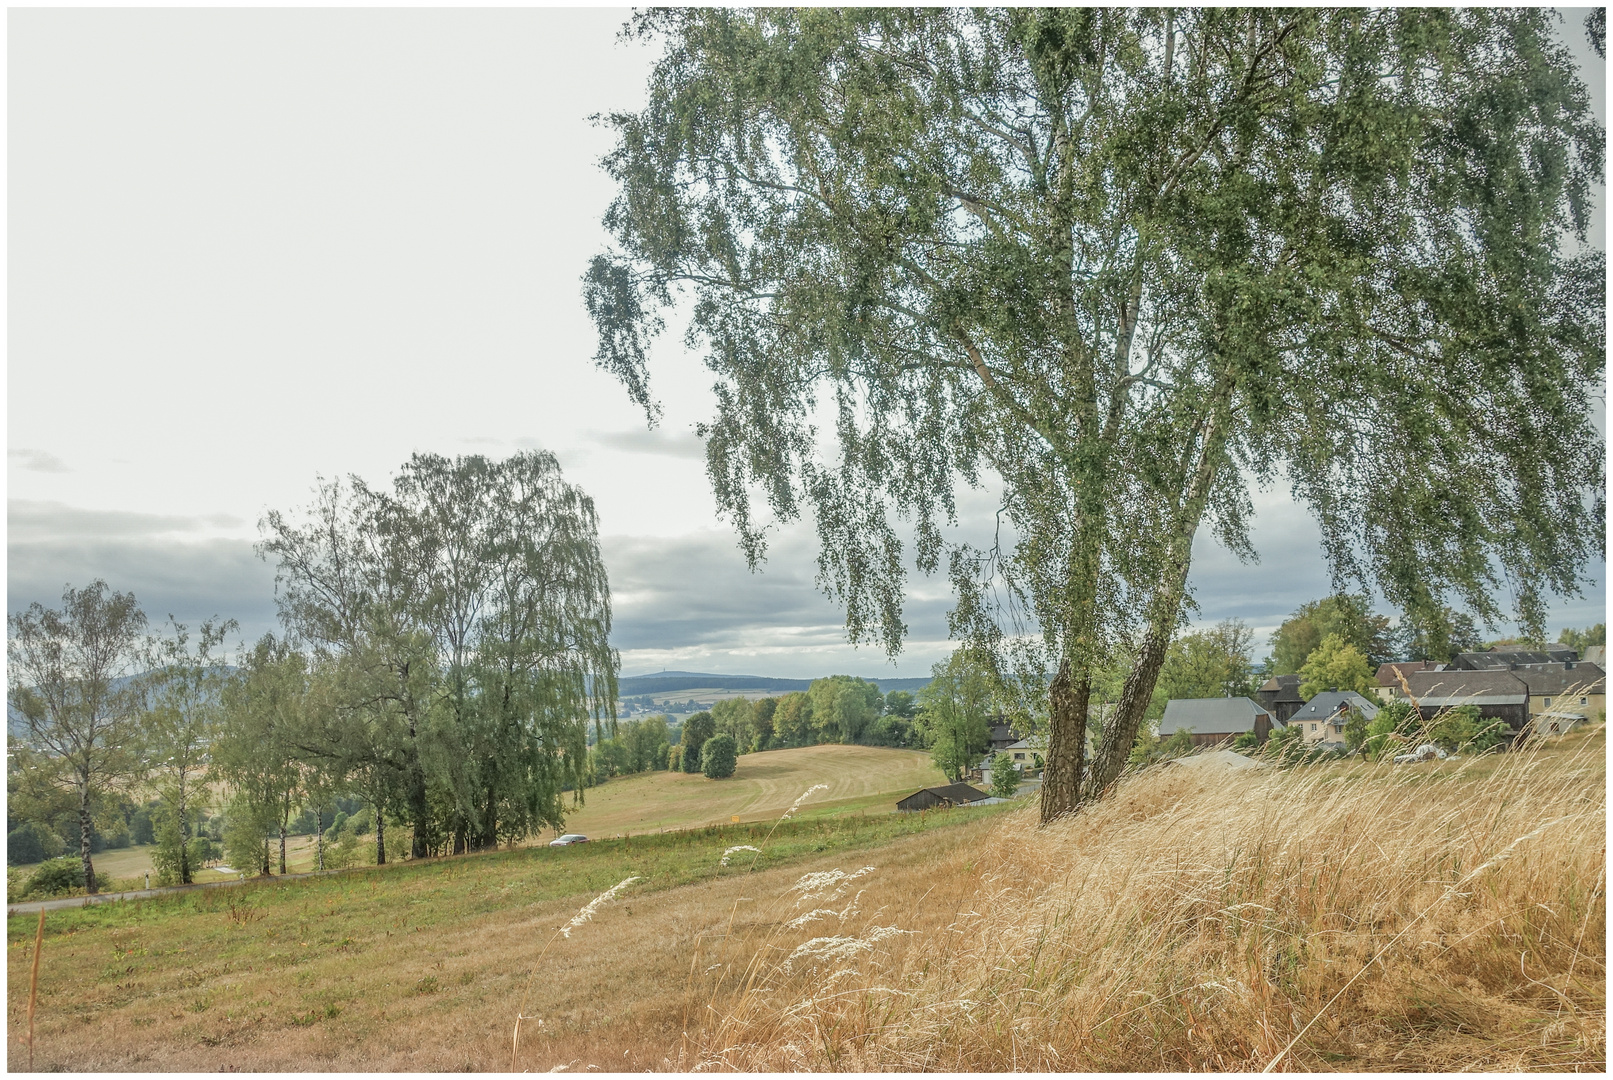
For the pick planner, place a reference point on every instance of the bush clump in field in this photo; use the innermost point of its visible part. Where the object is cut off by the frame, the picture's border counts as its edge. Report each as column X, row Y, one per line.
column 32, row 842
column 718, row 757
column 1342, row 915
column 57, row 877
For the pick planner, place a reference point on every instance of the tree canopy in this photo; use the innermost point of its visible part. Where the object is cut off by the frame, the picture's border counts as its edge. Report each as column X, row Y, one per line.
column 1350, row 616
column 1335, row 664
column 463, row 620
column 1118, row 264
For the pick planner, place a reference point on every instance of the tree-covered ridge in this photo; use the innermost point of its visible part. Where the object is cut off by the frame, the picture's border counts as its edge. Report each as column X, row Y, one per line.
column 1126, row 261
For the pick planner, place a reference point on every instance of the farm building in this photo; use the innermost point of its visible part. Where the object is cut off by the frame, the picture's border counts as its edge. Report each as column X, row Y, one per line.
column 1280, row 697
column 1498, row 694
column 1390, row 675
column 1214, row 720
column 931, row 797
column 1506, row 658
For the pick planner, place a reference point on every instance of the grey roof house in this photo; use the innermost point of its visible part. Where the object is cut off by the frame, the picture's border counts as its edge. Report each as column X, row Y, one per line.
column 1324, row 716
column 1499, row 658
column 1213, row 720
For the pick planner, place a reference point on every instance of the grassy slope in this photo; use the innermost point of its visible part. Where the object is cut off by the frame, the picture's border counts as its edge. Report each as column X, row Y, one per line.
column 419, row 965
column 763, row 785
column 1437, row 917
column 860, row 778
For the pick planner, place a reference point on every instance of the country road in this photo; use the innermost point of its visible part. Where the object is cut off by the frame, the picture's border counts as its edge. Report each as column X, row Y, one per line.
column 145, row 894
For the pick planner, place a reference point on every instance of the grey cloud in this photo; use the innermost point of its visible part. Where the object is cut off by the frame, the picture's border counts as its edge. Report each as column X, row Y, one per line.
column 1292, row 571
column 29, row 521
column 659, row 441
column 695, row 591
column 50, row 545
column 36, row 460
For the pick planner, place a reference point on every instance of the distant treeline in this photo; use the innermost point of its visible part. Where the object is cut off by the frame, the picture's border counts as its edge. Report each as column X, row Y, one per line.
column 837, row 709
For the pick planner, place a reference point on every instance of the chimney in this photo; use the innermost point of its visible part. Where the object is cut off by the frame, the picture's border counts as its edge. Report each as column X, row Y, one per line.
column 1513, row 666
column 1568, row 665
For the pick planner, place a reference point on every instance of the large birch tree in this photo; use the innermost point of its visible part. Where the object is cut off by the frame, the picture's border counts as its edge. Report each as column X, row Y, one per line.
column 1117, row 265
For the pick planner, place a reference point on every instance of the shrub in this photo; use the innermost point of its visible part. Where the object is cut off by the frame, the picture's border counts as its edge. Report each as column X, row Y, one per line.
column 1180, row 744
column 57, row 877
column 1455, row 728
column 362, row 822
column 32, row 842
column 718, row 757
column 1004, row 777
column 1395, row 722
column 399, row 841
column 141, row 829
column 339, row 826
column 202, row 851
column 342, row 854
column 1246, row 740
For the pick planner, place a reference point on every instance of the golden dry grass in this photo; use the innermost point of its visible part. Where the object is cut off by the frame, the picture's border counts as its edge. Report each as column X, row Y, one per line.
column 1343, row 917
column 417, row 967
column 1354, row 917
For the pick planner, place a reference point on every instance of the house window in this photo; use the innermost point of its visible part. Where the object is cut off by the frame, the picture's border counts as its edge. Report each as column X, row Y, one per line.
column 1019, row 757
column 1584, row 701
column 1313, row 728
column 1547, row 701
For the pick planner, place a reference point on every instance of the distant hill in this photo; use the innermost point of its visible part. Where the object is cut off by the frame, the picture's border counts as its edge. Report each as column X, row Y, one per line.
column 669, row 682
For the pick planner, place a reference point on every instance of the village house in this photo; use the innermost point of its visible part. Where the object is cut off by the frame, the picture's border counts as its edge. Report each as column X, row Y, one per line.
column 1279, row 696
column 1323, row 718
column 1021, row 753
column 1215, row 720
column 1498, row 693
column 1567, row 690
column 1002, row 737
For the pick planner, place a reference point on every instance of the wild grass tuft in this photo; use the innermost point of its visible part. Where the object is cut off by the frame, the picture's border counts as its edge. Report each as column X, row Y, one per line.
column 584, row 915
column 1346, row 915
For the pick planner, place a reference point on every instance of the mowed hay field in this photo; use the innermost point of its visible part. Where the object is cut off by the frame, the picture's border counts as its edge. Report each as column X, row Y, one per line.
column 422, row 965
column 763, row 786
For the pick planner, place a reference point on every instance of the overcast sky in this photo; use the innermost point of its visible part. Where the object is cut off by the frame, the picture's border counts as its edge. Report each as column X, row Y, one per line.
column 249, row 248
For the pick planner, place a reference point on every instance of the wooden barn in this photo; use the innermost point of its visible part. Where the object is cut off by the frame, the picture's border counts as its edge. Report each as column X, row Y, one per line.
column 931, row 797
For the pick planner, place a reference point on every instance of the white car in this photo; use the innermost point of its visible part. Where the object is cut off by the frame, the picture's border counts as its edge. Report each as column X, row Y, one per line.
column 569, row 839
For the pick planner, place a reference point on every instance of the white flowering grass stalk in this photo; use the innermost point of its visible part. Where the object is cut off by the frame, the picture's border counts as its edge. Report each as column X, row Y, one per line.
column 805, row 795
column 586, row 914
column 594, row 905
column 737, row 848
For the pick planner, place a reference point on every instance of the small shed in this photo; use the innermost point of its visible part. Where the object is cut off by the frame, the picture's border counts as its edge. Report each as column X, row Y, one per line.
column 931, row 797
